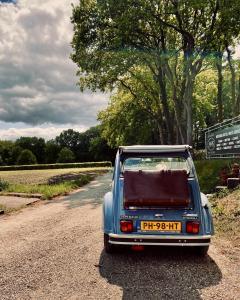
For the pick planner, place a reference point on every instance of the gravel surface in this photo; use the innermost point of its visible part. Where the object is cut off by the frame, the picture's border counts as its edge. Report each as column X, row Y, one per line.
column 16, row 202
column 55, row 251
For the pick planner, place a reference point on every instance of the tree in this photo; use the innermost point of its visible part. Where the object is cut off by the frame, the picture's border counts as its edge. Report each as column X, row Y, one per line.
column 69, row 138
column 6, row 152
column 170, row 39
column 220, row 86
column 51, row 152
column 16, row 151
column 72, row 140
column 125, row 122
column 65, row 156
column 26, row 158
column 35, row 145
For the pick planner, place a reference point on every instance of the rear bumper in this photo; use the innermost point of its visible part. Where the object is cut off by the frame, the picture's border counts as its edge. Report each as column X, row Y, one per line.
column 156, row 240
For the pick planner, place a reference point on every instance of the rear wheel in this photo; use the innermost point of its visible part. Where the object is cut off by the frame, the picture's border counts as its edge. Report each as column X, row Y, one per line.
column 109, row 248
column 201, row 250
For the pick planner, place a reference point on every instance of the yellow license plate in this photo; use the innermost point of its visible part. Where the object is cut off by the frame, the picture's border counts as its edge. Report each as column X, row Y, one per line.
column 161, row 226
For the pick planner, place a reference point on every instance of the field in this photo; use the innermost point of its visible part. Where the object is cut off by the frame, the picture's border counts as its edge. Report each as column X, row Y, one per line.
column 36, row 181
column 42, row 176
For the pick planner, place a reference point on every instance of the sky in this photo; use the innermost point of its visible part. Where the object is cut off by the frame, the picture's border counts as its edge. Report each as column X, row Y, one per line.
column 38, row 91
column 39, row 95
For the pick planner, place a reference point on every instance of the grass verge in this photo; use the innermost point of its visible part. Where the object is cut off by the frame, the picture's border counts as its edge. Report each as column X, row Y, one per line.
column 49, row 191
column 226, row 213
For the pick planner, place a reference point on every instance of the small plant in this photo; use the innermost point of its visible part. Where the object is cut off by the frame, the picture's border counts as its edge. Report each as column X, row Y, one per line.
column 3, row 185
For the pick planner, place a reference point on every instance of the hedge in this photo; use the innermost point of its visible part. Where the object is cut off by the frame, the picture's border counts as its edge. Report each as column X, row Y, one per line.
column 57, row 166
column 208, row 172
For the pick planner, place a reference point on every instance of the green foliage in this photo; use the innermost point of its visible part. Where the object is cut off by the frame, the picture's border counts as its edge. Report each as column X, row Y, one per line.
column 69, row 139
column 49, row 191
column 47, row 152
column 51, row 152
column 79, row 143
column 3, row 184
column 226, row 212
column 124, row 122
column 100, row 150
column 35, row 145
column 208, row 172
column 65, row 156
column 9, row 152
column 26, row 158
column 157, row 58
column 205, row 94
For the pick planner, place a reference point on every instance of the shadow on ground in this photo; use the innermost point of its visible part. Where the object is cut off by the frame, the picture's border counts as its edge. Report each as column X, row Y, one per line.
column 160, row 273
column 91, row 193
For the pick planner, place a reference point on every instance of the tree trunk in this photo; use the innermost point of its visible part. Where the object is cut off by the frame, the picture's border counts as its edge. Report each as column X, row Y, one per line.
column 177, row 107
column 219, row 88
column 238, row 98
column 188, row 106
column 165, row 107
column 233, row 81
column 187, row 90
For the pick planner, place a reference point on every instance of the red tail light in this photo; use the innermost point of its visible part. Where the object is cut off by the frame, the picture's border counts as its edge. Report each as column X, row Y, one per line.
column 126, row 225
column 137, row 248
column 192, row 227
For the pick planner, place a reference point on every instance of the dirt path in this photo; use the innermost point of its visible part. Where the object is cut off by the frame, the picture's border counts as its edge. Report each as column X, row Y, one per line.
column 54, row 251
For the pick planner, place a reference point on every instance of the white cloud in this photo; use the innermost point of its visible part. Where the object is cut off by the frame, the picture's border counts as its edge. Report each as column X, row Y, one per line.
column 37, row 78
column 47, row 131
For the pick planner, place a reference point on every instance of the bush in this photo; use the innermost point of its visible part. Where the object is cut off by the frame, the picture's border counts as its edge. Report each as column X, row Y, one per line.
column 208, row 172
column 3, row 184
column 65, row 156
column 26, row 158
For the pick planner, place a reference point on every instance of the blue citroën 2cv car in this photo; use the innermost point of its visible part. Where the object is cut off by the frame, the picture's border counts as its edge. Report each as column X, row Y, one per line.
column 156, row 200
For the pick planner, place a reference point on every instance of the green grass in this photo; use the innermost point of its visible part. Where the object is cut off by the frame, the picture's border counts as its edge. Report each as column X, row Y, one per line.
column 226, row 213
column 49, row 191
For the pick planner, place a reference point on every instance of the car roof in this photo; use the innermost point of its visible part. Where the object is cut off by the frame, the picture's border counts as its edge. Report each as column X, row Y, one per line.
column 154, row 148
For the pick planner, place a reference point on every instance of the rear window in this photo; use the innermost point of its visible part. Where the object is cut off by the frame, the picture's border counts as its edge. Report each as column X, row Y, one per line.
column 155, row 164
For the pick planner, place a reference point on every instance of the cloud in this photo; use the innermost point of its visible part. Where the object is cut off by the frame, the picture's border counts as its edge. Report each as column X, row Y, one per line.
column 47, row 131
column 37, row 78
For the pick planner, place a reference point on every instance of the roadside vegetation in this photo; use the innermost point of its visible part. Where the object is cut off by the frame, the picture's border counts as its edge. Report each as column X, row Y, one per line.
column 49, row 191
column 37, row 181
column 208, row 172
column 42, row 176
column 226, row 213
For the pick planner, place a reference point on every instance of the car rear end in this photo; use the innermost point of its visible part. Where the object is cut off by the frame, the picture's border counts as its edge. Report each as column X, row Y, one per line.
column 157, row 201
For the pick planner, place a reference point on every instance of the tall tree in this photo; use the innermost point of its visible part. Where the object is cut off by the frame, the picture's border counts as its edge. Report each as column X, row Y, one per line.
column 171, row 38
column 35, row 145
column 219, row 67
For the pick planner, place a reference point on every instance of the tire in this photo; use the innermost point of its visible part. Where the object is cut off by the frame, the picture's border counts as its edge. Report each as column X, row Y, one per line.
column 201, row 250
column 109, row 248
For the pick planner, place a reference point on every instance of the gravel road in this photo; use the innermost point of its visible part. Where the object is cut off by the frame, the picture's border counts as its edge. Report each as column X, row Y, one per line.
column 55, row 251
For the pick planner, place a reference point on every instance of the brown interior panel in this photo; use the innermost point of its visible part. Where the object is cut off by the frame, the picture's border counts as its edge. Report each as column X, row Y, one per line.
column 158, row 188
